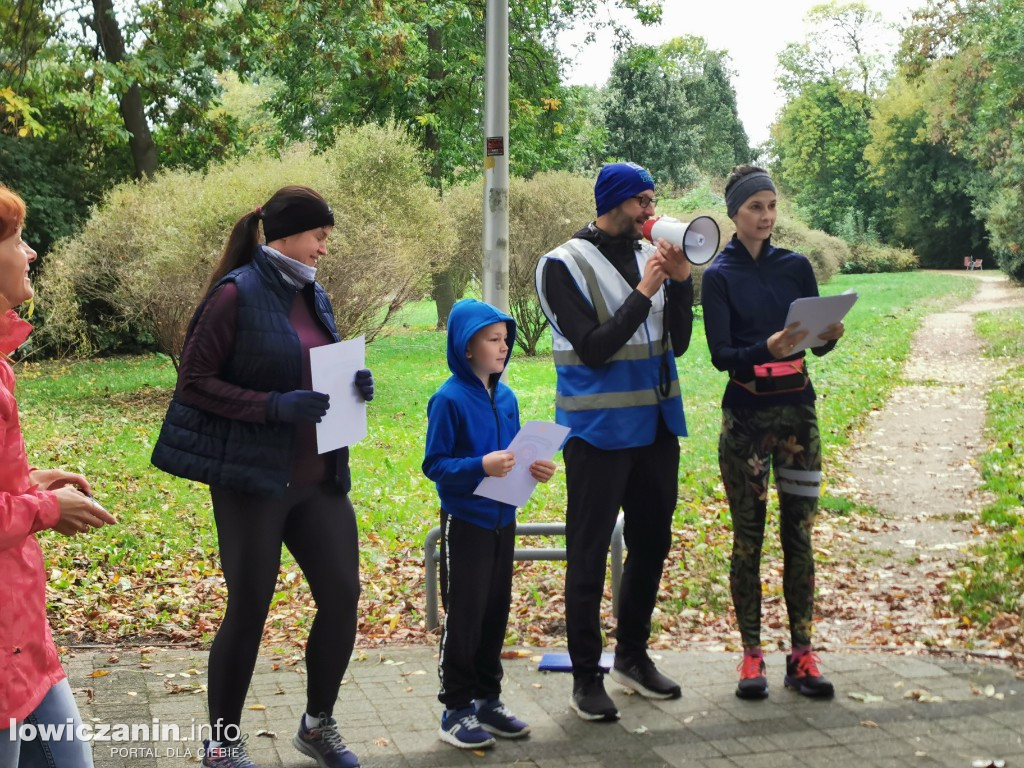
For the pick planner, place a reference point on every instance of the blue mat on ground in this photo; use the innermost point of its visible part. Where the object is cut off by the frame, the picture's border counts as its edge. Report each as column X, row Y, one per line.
column 560, row 662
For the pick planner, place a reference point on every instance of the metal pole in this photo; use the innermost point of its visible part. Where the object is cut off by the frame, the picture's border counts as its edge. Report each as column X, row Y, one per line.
column 495, row 202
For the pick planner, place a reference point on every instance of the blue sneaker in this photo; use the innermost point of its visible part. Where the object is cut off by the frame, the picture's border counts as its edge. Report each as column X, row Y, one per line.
column 323, row 743
column 231, row 754
column 496, row 718
column 460, row 728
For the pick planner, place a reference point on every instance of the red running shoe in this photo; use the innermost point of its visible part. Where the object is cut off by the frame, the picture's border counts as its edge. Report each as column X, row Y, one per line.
column 753, row 683
column 803, row 677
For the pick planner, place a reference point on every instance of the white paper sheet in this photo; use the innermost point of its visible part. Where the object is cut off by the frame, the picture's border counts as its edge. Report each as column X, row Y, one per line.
column 817, row 313
column 334, row 369
column 536, row 440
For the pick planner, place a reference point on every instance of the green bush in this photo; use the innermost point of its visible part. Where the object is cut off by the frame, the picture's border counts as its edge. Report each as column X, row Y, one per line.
column 144, row 256
column 544, row 211
column 1012, row 263
column 868, row 258
column 827, row 254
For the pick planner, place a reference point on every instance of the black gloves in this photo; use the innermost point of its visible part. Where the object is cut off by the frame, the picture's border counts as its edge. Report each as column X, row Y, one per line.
column 300, row 405
column 364, row 380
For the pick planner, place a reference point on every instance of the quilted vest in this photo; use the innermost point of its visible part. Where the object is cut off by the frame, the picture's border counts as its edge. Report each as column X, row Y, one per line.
column 248, row 456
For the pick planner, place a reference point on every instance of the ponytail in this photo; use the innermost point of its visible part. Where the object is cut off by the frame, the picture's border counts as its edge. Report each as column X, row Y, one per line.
column 245, row 236
column 290, row 210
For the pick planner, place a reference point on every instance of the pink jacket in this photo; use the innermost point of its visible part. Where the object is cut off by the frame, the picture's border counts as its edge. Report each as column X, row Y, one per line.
column 29, row 665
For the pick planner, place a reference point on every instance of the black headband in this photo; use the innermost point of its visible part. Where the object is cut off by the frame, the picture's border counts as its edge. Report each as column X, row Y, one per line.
column 299, row 214
column 747, row 185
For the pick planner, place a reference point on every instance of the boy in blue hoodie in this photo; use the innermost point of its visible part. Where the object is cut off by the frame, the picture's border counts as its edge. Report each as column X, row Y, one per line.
column 471, row 420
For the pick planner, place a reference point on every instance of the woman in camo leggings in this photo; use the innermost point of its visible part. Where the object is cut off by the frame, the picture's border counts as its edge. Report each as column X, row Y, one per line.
column 768, row 422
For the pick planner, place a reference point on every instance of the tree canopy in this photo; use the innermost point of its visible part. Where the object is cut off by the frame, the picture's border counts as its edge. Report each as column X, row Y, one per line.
column 672, row 108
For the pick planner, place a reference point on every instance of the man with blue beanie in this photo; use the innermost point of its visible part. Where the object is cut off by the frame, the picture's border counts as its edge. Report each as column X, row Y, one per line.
column 620, row 313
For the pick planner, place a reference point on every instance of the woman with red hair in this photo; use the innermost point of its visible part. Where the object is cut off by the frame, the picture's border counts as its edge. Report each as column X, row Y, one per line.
column 34, row 691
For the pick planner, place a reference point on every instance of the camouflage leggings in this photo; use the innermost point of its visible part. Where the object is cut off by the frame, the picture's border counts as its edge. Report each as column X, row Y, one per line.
column 753, row 441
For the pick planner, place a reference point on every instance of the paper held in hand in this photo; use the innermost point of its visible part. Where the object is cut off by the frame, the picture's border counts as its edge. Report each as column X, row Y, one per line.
column 536, row 440
column 334, row 369
column 816, row 313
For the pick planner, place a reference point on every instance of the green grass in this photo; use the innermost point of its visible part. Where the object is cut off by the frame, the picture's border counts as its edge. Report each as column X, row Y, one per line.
column 992, row 580
column 156, row 571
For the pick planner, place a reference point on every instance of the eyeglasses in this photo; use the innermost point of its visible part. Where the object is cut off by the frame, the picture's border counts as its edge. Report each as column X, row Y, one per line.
column 645, row 201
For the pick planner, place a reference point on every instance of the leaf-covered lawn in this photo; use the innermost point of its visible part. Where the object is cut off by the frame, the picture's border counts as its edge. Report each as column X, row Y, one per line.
column 989, row 588
column 155, row 575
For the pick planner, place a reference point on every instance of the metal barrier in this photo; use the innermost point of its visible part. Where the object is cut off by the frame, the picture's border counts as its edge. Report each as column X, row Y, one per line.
column 432, row 557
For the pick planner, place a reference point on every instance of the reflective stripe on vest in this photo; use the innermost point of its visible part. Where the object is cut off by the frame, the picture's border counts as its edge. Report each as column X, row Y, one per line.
column 617, row 404
column 614, row 399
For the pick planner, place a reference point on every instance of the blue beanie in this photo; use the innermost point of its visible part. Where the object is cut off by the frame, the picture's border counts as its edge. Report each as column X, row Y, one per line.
column 618, row 182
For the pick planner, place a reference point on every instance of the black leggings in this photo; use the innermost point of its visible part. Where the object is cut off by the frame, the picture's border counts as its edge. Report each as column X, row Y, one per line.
column 318, row 525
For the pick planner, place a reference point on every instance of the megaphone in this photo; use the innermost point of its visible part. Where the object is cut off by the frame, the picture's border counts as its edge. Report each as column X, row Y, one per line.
column 699, row 238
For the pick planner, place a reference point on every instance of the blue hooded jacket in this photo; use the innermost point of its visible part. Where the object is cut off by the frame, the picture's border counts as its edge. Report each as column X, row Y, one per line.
column 464, row 422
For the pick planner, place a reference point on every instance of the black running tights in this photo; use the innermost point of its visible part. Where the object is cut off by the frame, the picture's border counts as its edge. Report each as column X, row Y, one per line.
column 317, row 524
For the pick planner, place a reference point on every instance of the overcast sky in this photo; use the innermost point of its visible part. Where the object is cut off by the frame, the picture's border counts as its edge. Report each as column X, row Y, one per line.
column 752, row 32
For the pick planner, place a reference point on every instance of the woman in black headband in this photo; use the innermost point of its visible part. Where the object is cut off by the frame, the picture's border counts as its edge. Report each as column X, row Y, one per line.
column 243, row 419
column 769, row 422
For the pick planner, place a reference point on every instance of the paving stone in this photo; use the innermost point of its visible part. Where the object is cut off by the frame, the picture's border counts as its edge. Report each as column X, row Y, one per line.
column 389, row 715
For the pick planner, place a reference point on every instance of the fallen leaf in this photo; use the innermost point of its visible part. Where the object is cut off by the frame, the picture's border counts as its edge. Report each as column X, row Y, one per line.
column 100, row 673
column 479, row 753
column 640, row 729
column 869, row 723
column 866, row 698
column 257, row 707
column 268, row 734
column 381, row 742
column 990, row 690
column 688, row 720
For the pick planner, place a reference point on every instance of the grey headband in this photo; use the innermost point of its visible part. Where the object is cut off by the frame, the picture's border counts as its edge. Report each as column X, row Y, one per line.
column 744, row 188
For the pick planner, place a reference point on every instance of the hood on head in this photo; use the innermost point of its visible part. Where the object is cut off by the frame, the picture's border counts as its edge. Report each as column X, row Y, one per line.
column 467, row 317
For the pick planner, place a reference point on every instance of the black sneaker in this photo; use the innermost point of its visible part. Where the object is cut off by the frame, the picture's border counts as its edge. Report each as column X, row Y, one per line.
column 753, row 683
column 231, row 754
column 590, row 700
column 642, row 676
column 803, row 677
column 324, row 744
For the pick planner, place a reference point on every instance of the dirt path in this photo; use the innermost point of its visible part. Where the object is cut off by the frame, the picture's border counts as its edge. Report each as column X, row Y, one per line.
column 915, row 464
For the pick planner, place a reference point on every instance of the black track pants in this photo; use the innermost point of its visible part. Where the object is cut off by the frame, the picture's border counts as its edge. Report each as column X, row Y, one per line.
column 644, row 483
column 476, row 589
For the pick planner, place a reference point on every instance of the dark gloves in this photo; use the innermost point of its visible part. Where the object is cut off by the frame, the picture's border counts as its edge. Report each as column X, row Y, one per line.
column 364, row 380
column 299, row 405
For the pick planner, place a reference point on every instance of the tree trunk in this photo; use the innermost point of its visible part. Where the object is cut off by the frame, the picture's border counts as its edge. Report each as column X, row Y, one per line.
column 442, row 289
column 133, row 113
column 443, row 293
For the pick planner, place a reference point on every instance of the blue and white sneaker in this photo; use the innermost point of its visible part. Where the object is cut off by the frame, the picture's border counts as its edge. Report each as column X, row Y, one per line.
column 323, row 743
column 230, row 754
column 496, row 718
column 460, row 728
